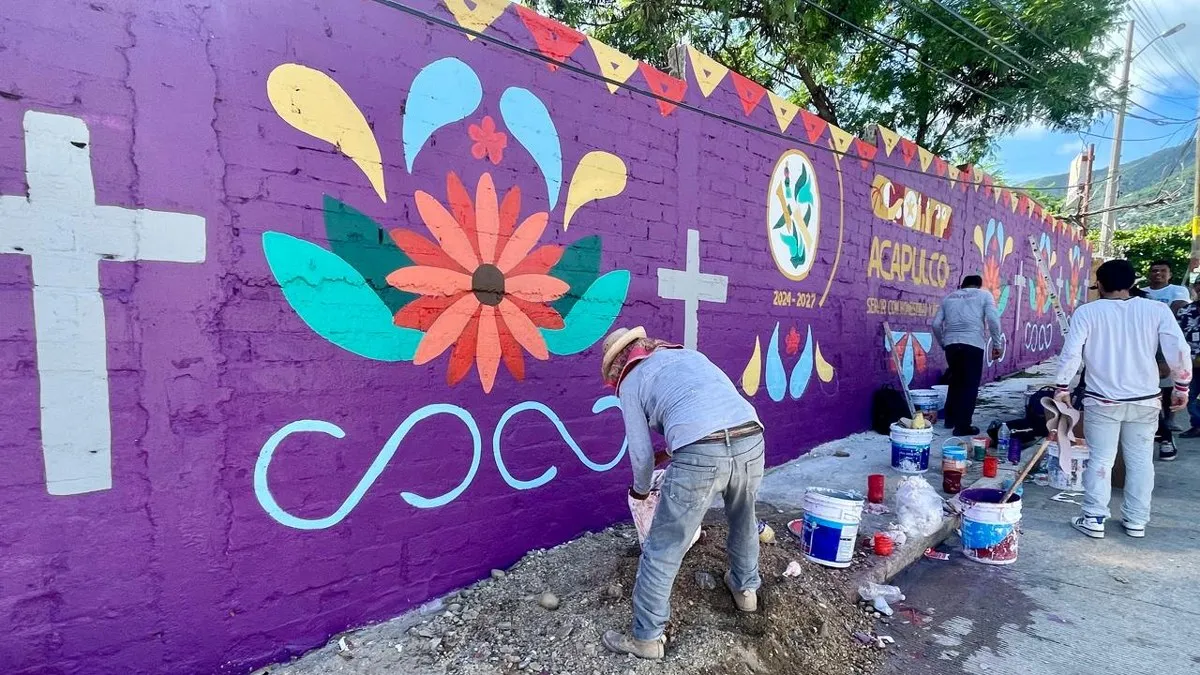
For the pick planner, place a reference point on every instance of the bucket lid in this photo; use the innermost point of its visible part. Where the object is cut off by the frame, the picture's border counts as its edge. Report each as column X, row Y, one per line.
column 830, row 493
column 985, row 496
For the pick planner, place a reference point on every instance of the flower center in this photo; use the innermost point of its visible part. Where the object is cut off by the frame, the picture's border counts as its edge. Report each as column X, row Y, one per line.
column 488, row 284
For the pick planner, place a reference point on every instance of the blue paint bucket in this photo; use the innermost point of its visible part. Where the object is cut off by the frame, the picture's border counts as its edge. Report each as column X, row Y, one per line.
column 990, row 529
column 830, row 530
column 910, row 449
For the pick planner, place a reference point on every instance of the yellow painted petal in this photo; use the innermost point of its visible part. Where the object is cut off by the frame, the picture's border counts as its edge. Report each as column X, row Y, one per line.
column 979, row 240
column 1008, row 247
column 707, row 71
column 314, row 103
column 752, row 375
column 824, row 368
column 478, row 18
column 614, row 65
column 599, row 175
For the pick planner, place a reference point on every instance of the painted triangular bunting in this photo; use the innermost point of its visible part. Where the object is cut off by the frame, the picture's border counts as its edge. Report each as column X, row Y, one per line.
column 664, row 85
column 939, row 165
column 814, row 126
column 890, row 139
column 553, row 39
column 908, row 149
column 749, row 91
column 707, row 71
column 866, row 152
column 841, row 139
column 926, row 158
column 613, row 64
column 484, row 13
column 785, row 111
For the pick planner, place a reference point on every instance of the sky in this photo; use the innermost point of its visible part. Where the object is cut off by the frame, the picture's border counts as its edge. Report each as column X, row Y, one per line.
column 1157, row 84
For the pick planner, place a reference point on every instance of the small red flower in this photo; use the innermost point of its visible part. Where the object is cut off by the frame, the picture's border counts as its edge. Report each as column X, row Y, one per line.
column 792, row 341
column 488, row 141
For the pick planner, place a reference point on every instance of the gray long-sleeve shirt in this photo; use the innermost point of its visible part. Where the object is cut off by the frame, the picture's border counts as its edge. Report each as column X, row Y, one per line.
column 681, row 394
column 963, row 316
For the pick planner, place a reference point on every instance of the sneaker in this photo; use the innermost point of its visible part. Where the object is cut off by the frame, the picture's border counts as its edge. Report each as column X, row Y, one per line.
column 1092, row 526
column 966, row 431
column 1167, row 452
column 746, row 601
column 1136, row 531
column 620, row 643
column 1194, row 432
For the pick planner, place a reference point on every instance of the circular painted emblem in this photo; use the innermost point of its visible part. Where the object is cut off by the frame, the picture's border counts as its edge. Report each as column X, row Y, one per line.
column 794, row 215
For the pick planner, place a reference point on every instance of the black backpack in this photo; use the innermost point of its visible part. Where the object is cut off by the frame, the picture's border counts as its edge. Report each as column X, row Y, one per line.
column 887, row 407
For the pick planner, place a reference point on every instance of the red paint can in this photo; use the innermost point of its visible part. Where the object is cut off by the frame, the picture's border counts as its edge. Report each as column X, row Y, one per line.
column 883, row 544
column 991, row 465
column 875, row 488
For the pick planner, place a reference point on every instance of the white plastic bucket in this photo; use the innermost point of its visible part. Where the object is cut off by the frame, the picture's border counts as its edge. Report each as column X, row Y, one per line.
column 927, row 402
column 910, row 449
column 990, row 529
column 831, row 520
column 943, row 391
column 1070, row 478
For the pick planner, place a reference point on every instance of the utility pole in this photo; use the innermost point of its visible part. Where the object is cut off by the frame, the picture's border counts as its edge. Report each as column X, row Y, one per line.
column 1196, row 201
column 1109, row 223
column 1090, row 160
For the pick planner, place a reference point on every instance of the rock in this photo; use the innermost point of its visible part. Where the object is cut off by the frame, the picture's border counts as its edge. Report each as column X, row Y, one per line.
column 455, row 608
column 498, row 574
column 706, row 581
column 841, row 453
column 548, row 601
column 425, row 633
column 590, row 649
column 435, row 643
column 470, row 615
column 613, row 591
column 504, row 625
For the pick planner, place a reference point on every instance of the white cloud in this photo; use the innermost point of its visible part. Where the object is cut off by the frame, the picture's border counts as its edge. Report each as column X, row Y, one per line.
column 1151, row 72
column 1070, row 148
column 1034, row 131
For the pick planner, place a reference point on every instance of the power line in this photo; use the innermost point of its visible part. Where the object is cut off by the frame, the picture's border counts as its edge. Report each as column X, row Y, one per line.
column 412, row 11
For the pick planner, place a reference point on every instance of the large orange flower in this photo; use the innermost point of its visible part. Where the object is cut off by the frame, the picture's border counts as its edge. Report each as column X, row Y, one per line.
column 991, row 278
column 484, row 288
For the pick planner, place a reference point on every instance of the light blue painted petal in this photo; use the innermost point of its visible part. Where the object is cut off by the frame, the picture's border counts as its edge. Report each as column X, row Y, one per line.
column 802, row 373
column 444, row 92
column 527, row 118
column 335, row 301
column 592, row 316
column 991, row 230
column 1000, row 238
column 907, row 362
column 925, row 340
column 776, row 375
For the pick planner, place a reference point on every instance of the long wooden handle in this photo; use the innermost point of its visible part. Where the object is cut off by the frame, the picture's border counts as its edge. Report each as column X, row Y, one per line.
column 891, row 345
column 1025, row 472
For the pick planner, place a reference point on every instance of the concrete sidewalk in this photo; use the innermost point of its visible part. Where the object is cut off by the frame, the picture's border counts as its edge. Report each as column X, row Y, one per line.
column 1070, row 604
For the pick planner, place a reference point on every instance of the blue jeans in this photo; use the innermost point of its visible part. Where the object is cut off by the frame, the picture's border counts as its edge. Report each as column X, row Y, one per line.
column 1131, row 428
column 697, row 474
column 1193, row 407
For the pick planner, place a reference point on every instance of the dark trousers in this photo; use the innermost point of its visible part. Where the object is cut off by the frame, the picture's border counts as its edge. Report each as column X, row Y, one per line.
column 966, row 370
column 1164, row 433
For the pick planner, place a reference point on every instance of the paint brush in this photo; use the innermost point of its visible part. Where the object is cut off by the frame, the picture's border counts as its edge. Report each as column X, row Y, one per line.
column 1037, row 456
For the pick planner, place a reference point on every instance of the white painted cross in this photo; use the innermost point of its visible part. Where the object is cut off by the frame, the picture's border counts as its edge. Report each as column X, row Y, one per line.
column 66, row 234
column 691, row 286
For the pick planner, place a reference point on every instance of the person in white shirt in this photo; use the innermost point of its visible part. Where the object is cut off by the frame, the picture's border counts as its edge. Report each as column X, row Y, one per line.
column 1161, row 289
column 1115, row 338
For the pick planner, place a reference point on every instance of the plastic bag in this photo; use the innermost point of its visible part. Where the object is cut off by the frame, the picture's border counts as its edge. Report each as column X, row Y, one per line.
column 871, row 591
column 918, row 507
column 643, row 509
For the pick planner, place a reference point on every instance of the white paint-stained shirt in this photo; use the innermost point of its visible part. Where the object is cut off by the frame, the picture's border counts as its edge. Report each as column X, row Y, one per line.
column 963, row 317
column 1116, row 341
column 1168, row 294
column 682, row 395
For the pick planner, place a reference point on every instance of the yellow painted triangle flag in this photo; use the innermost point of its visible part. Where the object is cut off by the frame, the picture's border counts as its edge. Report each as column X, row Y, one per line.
column 480, row 17
column 1016, row 199
column 613, row 64
column 952, row 175
column 841, row 139
column 708, row 72
column 926, row 158
column 890, row 139
column 785, row 111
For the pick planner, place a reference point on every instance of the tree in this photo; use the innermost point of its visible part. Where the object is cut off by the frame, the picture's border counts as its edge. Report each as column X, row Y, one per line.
column 1148, row 243
column 849, row 60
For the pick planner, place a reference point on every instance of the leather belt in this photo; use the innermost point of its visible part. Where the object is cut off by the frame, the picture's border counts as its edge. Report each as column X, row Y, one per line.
column 732, row 433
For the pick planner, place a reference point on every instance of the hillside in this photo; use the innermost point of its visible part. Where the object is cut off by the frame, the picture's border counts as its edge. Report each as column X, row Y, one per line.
column 1141, row 180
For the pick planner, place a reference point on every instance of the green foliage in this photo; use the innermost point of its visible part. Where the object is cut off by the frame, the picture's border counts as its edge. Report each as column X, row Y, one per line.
column 852, row 79
column 1148, row 243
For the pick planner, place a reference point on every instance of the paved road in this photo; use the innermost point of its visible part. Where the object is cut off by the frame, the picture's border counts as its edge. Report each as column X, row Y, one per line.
column 1069, row 605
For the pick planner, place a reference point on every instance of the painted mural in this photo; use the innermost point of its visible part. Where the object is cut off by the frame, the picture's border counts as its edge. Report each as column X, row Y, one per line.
column 323, row 292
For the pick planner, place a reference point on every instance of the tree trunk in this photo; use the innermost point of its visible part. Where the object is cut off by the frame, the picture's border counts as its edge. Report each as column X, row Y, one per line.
column 819, row 98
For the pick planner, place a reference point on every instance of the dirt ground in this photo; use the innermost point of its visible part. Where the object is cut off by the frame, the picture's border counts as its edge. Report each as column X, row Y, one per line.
column 804, row 626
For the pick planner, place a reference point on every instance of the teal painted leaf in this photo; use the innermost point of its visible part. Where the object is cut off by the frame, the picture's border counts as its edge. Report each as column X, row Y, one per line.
column 335, row 301
column 579, row 267
column 357, row 239
column 592, row 316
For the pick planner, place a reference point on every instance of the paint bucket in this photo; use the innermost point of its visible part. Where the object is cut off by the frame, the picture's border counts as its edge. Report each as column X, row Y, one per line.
column 954, row 455
column 927, row 401
column 1071, row 478
column 831, row 520
column 943, row 391
column 910, row 449
column 989, row 529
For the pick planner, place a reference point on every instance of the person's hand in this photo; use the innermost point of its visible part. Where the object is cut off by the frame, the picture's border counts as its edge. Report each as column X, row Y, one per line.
column 634, row 494
column 660, row 457
column 1063, row 395
column 1179, row 398
column 997, row 352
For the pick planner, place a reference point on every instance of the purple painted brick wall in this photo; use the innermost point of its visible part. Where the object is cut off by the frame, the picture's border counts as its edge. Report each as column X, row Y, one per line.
column 180, row 565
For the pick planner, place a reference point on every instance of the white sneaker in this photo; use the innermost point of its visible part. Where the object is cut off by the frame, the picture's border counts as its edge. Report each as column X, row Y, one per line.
column 1092, row 526
column 1136, row 531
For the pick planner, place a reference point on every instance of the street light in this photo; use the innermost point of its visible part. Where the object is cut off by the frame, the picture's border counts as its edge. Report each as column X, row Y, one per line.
column 1109, row 223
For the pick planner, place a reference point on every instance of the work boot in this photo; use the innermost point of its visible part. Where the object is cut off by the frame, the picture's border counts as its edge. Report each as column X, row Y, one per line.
column 966, row 431
column 620, row 643
column 1194, row 432
column 1092, row 526
column 746, row 601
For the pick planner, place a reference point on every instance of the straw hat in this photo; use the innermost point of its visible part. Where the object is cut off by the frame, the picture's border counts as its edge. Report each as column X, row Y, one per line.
column 616, row 341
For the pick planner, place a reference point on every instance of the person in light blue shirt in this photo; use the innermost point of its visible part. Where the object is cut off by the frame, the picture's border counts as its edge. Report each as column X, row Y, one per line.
column 715, row 441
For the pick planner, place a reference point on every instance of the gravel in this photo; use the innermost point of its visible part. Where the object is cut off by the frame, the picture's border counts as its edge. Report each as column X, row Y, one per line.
column 501, row 625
